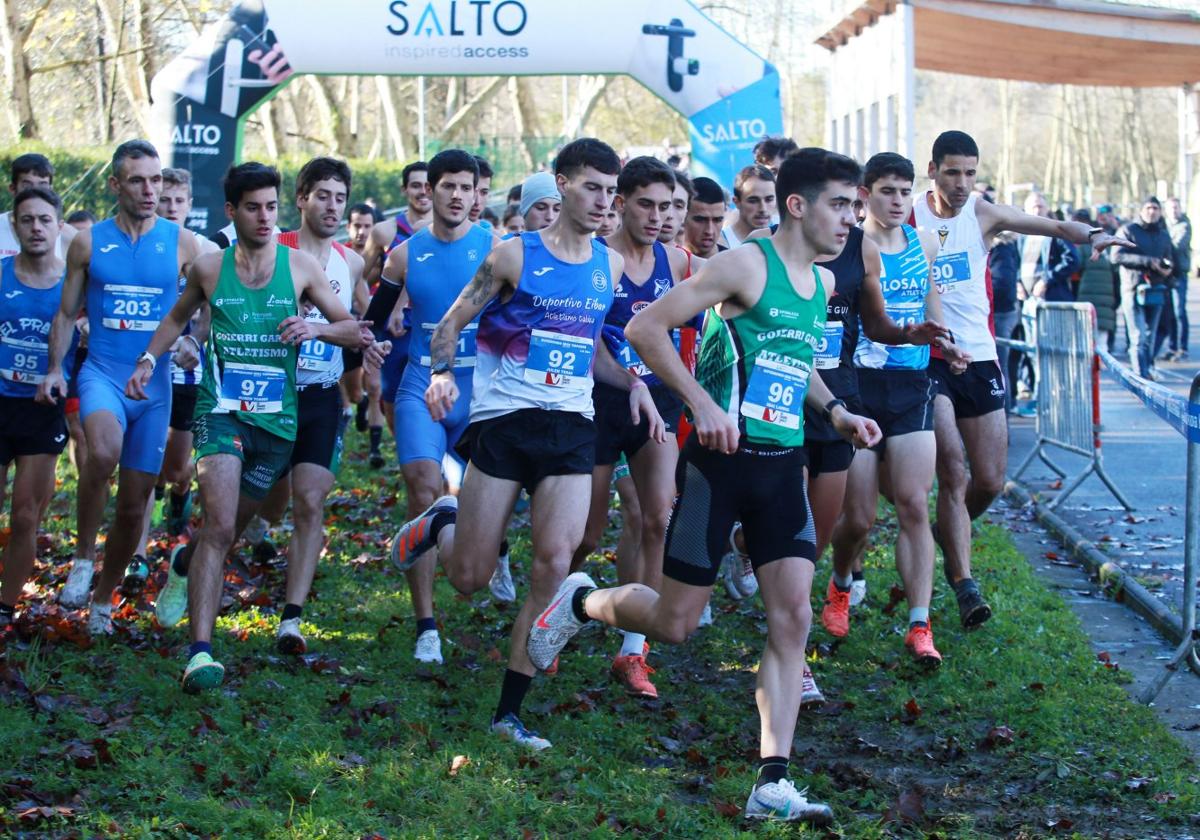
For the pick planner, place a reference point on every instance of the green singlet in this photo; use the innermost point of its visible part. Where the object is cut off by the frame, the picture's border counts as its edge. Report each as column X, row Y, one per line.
column 249, row 373
column 756, row 366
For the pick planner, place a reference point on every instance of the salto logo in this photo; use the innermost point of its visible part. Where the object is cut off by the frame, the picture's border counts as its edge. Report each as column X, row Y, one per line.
column 734, row 130
column 191, row 134
column 539, row 272
column 453, row 18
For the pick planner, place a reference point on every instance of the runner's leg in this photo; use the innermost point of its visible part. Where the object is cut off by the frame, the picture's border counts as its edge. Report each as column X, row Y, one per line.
column 33, row 485
column 311, row 484
column 219, row 477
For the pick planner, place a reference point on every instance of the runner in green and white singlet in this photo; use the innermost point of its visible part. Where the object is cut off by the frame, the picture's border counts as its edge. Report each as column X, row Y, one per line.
column 245, row 421
column 745, row 460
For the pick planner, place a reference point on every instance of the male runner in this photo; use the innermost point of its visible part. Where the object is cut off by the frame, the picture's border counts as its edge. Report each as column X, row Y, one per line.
column 670, row 229
column 746, row 458
column 543, row 297
column 540, row 201
column 771, row 151
column 895, row 391
column 322, row 190
column 645, row 197
column 31, row 434
column 482, row 191
column 30, row 170
column 246, row 415
column 433, row 267
column 127, row 270
column 360, row 223
column 968, row 410
column 754, row 198
column 705, row 218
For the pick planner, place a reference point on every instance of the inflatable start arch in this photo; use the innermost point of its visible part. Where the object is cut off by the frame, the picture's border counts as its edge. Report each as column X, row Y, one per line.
column 202, row 98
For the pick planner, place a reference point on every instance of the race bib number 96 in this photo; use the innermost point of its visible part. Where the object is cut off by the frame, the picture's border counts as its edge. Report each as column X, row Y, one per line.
column 775, row 394
column 558, row 360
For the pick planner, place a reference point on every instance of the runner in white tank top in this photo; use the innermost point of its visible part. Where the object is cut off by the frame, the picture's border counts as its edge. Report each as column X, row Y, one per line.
column 969, row 409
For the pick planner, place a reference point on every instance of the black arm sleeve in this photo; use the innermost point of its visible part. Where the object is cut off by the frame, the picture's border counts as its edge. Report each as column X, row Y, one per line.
column 382, row 304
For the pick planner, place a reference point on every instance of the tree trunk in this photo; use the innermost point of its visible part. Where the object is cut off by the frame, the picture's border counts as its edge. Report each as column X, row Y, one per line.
column 389, row 117
column 469, row 109
column 16, row 67
column 325, row 97
column 590, row 89
column 129, row 72
column 525, row 115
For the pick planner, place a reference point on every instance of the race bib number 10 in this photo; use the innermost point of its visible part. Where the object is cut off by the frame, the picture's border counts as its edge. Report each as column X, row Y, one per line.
column 138, row 308
column 950, row 269
column 256, row 388
column 315, row 355
column 558, row 360
column 775, row 394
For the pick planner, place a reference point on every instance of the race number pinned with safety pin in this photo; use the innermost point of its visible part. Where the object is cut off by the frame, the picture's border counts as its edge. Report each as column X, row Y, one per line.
column 127, row 307
column 775, row 394
column 315, row 355
column 254, row 388
column 950, row 269
column 558, row 360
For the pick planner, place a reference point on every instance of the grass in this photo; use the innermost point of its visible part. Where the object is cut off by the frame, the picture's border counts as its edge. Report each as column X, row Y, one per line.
column 1023, row 732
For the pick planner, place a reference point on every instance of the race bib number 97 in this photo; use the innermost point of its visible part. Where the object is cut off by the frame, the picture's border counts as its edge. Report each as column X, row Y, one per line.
column 775, row 394
column 256, row 388
column 558, row 360
column 951, row 269
column 137, row 308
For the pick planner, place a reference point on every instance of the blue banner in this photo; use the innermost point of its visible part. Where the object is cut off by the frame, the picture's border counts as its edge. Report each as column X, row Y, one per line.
column 1182, row 416
column 723, row 134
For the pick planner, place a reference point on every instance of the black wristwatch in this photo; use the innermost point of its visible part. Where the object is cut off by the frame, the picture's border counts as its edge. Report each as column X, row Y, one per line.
column 830, row 406
column 441, row 367
column 1094, row 232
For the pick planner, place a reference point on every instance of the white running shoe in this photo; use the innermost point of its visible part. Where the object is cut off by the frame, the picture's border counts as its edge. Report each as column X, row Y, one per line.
column 78, row 587
column 557, row 624
column 737, row 570
column 781, row 801
column 289, row 640
column 429, row 648
column 706, row 618
column 858, row 592
column 501, row 585
column 511, row 728
column 100, row 620
column 810, row 696
column 172, row 602
column 255, row 530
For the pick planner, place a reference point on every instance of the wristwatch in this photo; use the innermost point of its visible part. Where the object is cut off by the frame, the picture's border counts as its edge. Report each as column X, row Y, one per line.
column 441, row 367
column 1094, row 232
column 830, row 406
column 147, row 356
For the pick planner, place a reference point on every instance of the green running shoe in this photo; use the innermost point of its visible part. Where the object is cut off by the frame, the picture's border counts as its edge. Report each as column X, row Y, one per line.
column 202, row 672
column 172, row 602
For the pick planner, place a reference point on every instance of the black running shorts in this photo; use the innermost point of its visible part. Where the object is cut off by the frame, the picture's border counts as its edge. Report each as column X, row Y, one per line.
column 318, row 427
column 760, row 486
column 528, row 445
column 974, row 393
column 616, row 433
column 900, row 401
column 30, row 428
column 183, row 406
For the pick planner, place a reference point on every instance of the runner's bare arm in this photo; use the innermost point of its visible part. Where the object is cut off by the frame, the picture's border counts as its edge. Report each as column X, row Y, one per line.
column 202, row 270
column 362, row 293
column 995, row 218
column 500, row 270
column 381, row 236
column 858, row 430
column 62, row 328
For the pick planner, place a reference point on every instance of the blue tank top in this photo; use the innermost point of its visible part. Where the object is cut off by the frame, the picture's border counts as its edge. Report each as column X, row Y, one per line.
column 25, row 318
column 537, row 349
column 629, row 298
column 436, row 274
column 905, row 282
column 131, row 287
column 179, row 376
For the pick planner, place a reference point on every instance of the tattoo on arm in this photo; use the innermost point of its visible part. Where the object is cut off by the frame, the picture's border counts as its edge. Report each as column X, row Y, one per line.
column 483, row 286
column 442, row 345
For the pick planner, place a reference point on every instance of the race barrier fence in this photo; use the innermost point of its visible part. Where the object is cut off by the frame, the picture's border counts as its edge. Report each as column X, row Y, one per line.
column 1068, row 417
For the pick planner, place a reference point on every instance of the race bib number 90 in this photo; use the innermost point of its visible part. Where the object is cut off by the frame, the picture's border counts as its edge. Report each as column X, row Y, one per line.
column 557, row 360
column 138, row 308
column 775, row 394
column 256, row 388
column 829, row 351
column 951, row 269
column 23, row 361
column 464, row 353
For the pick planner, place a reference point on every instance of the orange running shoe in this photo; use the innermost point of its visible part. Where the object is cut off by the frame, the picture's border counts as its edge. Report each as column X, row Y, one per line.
column 836, row 614
column 633, row 672
column 553, row 669
column 919, row 641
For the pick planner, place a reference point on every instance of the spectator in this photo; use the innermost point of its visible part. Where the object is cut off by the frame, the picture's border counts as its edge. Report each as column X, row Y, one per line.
column 1175, row 327
column 1145, row 270
column 770, row 152
column 1096, row 286
column 1004, row 263
column 1047, row 262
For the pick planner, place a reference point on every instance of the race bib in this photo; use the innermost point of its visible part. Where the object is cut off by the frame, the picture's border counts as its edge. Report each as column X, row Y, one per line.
column 775, row 394
column 829, row 351
column 464, row 353
column 24, row 361
column 905, row 313
column 558, row 360
column 315, row 355
column 950, row 269
column 138, row 308
column 628, row 358
column 256, row 388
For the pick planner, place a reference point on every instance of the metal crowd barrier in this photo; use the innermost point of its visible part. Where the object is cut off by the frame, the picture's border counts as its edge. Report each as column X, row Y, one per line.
column 1068, row 394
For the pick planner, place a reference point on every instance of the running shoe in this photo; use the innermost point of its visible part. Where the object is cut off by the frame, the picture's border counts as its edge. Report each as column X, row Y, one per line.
column 429, row 648
column 972, row 609
column 858, row 592
column 557, row 624
column 180, row 514
column 360, row 415
column 255, row 530
column 553, row 669
column 377, row 460
column 172, row 602
column 919, row 642
column 737, row 571
column 414, row 537
column 633, row 673
column 510, row 728
column 264, row 551
column 781, row 801
column 100, row 620
column 810, row 695
column 836, row 614
column 706, row 617
column 501, row 584
column 75, row 592
column 288, row 639
column 135, row 576
column 202, row 672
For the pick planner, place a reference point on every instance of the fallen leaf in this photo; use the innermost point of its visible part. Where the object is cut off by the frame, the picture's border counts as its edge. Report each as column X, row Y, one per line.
column 727, row 809
column 1139, row 782
column 458, row 763
column 909, row 807
column 997, row 736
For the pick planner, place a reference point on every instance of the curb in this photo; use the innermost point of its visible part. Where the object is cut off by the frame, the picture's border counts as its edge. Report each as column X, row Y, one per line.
column 1099, row 564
